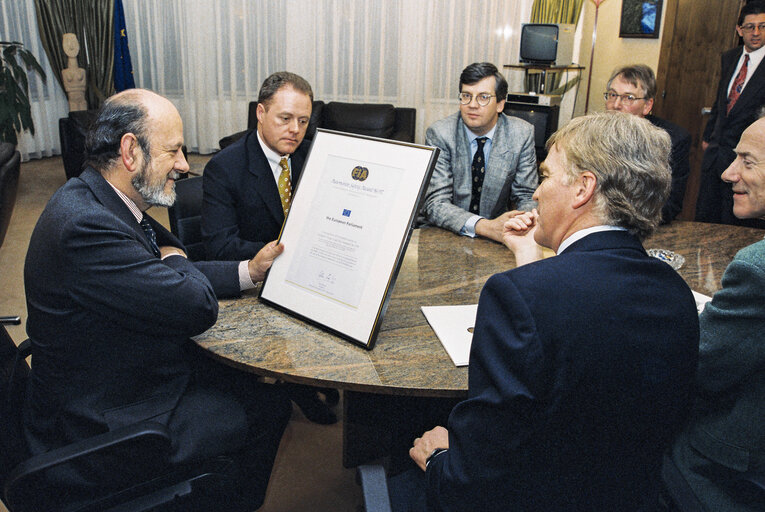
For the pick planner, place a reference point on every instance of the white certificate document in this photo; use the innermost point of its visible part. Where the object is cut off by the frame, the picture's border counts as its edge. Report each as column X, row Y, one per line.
column 333, row 260
column 347, row 231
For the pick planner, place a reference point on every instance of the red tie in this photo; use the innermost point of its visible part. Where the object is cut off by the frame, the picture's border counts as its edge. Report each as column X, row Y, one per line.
column 738, row 84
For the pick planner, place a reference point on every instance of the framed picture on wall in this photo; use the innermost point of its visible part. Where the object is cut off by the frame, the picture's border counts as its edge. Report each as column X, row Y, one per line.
column 640, row 18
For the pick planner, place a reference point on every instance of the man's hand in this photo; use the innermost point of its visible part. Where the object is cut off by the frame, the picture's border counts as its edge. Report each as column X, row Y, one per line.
column 424, row 446
column 493, row 228
column 518, row 236
column 167, row 250
column 259, row 265
column 704, row 145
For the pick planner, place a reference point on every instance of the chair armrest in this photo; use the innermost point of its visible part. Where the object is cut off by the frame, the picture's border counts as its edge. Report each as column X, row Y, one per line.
column 146, row 432
column 374, row 486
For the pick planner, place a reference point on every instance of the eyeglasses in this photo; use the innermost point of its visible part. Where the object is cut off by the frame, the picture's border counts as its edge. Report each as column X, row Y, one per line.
column 749, row 27
column 483, row 99
column 627, row 99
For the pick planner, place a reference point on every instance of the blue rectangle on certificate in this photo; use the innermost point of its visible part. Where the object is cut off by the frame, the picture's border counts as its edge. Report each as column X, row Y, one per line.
column 346, row 213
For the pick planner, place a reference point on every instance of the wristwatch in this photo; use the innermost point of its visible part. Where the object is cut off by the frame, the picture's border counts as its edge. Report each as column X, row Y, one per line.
column 433, row 455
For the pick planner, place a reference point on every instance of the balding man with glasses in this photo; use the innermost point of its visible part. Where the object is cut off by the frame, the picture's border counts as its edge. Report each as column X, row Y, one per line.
column 740, row 94
column 487, row 163
column 632, row 89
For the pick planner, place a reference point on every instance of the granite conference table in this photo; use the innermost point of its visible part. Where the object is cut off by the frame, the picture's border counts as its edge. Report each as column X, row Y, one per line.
column 408, row 360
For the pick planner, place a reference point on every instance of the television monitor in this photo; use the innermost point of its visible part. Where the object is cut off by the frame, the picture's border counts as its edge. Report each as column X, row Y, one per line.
column 543, row 118
column 547, row 43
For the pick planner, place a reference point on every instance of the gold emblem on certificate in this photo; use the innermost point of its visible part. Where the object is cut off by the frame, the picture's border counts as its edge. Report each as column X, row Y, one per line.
column 359, row 173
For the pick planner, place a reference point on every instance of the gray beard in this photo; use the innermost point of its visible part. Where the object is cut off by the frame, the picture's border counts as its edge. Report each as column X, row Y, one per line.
column 154, row 195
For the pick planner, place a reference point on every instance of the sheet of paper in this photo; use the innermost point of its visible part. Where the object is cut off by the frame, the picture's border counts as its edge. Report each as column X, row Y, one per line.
column 701, row 300
column 454, row 327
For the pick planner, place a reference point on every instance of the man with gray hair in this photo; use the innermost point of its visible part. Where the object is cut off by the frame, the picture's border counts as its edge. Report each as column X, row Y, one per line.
column 724, row 444
column 113, row 302
column 632, row 89
column 581, row 365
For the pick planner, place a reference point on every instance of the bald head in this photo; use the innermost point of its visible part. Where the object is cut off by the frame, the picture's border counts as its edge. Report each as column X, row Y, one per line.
column 135, row 111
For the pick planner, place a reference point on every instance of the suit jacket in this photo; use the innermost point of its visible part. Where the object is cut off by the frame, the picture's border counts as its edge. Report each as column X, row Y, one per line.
column 581, row 368
column 511, row 172
column 681, row 145
column 723, row 132
column 726, row 436
column 110, row 325
column 241, row 209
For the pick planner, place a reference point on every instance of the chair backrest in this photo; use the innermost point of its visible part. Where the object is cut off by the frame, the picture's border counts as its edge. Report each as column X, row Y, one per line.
column 10, row 164
column 186, row 216
column 14, row 373
column 377, row 120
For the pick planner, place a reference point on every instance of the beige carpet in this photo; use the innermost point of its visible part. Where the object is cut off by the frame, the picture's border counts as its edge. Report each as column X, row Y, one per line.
column 308, row 474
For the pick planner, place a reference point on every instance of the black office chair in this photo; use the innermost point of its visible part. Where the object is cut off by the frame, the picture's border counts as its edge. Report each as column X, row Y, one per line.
column 204, row 487
column 186, row 216
column 10, row 164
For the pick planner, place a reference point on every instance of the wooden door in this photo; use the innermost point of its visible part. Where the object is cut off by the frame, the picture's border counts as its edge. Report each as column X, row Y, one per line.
column 695, row 34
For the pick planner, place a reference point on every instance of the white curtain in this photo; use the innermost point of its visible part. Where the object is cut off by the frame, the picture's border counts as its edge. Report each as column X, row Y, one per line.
column 18, row 22
column 210, row 56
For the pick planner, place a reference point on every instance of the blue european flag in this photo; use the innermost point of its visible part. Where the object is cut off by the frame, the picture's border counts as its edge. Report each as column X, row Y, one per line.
column 346, row 213
column 123, row 68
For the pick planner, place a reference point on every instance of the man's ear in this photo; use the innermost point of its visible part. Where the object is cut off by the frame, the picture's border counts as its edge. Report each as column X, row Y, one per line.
column 129, row 151
column 584, row 187
column 259, row 111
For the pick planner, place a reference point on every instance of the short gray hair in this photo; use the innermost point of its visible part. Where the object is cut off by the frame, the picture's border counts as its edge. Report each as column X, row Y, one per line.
column 630, row 160
column 639, row 75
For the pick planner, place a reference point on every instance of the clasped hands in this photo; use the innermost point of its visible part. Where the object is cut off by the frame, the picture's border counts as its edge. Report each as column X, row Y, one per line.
column 518, row 235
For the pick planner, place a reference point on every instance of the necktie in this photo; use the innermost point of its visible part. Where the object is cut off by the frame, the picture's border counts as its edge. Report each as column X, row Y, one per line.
column 478, row 171
column 151, row 235
column 285, row 185
column 738, row 84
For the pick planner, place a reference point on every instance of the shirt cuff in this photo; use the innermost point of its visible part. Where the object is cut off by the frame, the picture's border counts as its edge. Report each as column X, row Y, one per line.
column 245, row 283
column 469, row 228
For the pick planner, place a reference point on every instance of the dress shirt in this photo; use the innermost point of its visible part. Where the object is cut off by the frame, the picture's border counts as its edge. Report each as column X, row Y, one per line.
column 755, row 58
column 245, row 282
column 273, row 160
column 578, row 235
column 469, row 228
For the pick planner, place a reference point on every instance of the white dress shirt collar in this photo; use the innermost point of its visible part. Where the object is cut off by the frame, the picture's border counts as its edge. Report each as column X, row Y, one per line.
column 584, row 232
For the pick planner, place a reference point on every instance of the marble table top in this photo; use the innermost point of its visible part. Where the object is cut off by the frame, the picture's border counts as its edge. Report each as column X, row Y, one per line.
column 439, row 268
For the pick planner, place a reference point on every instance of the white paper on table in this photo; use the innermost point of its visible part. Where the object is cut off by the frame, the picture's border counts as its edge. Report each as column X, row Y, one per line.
column 454, row 327
column 701, row 300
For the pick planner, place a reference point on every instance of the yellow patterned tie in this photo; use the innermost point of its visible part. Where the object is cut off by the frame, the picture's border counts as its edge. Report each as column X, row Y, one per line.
column 285, row 185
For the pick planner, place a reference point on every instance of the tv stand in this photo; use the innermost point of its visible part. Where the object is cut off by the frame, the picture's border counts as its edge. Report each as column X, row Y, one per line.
column 542, row 69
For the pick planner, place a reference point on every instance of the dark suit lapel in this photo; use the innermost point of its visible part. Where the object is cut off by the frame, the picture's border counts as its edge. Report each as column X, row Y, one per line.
column 106, row 195
column 752, row 91
column 265, row 185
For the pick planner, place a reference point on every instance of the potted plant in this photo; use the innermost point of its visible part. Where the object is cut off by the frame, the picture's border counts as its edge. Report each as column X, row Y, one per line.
column 15, row 109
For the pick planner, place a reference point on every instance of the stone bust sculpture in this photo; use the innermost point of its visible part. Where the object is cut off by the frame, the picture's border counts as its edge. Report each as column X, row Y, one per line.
column 73, row 75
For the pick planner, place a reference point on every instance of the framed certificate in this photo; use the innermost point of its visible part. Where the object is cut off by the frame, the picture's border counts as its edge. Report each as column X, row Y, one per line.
column 350, row 221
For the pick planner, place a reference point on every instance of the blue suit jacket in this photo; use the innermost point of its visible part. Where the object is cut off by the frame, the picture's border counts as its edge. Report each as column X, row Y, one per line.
column 241, row 210
column 511, row 172
column 110, row 325
column 581, row 369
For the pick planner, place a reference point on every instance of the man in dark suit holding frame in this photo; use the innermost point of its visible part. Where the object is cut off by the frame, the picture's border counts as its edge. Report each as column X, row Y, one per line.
column 581, row 365
column 113, row 301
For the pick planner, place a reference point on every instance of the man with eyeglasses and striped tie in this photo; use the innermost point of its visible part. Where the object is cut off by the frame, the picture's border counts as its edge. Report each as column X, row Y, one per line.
column 487, row 163
column 632, row 89
column 740, row 94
